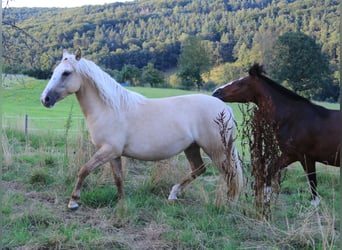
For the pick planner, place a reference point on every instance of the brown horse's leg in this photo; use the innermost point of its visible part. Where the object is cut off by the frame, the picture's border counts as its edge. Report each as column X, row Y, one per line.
column 273, row 175
column 310, row 169
column 118, row 176
column 102, row 156
column 272, row 180
column 193, row 155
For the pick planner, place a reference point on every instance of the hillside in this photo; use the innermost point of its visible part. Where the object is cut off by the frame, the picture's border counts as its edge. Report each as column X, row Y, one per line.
column 146, row 31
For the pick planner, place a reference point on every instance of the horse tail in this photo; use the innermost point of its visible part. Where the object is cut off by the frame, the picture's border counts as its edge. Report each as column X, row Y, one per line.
column 235, row 177
column 229, row 164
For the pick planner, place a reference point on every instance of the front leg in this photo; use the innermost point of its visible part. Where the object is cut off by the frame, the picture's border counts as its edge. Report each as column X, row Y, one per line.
column 116, row 165
column 103, row 155
column 273, row 175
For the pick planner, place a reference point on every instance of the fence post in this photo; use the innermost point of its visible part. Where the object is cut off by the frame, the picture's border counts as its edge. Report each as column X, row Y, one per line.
column 26, row 124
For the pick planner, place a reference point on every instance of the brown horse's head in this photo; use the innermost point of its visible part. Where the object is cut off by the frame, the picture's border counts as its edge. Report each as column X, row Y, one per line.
column 243, row 89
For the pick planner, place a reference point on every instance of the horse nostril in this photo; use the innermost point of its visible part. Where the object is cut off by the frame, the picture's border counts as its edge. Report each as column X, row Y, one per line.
column 49, row 100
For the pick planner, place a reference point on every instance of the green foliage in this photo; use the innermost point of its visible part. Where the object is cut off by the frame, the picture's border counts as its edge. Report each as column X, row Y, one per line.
column 39, row 176
column 140, row 32
column 193, row 61
column 11, row 200
column 222, row 74
column 100, row 197
column 130, row 74
column 298, row 60
column 152, row 77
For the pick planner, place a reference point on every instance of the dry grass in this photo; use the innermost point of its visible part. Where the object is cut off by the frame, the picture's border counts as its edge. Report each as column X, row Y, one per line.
column 36, row 216
column 314, row 228
column 7, row 156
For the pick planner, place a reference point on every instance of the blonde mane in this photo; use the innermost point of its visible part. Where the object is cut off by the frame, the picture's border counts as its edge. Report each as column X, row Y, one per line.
column 110, row 91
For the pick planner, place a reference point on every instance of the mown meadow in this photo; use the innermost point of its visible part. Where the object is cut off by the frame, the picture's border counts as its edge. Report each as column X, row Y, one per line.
column 40, row 167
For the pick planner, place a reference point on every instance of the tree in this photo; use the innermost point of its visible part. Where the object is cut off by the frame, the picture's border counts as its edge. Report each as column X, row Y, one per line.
column 193, row 61
column 152, row 76
column 130, row 73
column 46, row 62
column 154, row 33
column 261, row 51
column 15, row 40
column 298, row 60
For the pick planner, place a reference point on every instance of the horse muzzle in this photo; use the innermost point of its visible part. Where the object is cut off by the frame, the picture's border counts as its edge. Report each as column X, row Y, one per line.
column 218, row 93
column 49, row 100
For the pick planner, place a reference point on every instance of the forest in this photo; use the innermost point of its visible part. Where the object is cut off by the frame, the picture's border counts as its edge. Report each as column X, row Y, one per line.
column 150, row 34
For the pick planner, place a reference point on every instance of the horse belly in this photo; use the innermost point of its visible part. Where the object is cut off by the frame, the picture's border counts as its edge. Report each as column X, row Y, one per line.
column 328, row 155
column 322, row 147
column 150, row 145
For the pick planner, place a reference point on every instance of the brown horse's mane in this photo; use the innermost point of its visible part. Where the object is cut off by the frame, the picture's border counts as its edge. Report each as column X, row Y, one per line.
column 258, row 70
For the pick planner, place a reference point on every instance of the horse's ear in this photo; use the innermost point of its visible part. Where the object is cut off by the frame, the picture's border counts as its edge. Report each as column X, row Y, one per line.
column 78, row 54
column 65, row 52
column 256, row 70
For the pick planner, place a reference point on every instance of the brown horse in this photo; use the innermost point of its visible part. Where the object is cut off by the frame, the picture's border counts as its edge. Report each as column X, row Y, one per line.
column 306, row 132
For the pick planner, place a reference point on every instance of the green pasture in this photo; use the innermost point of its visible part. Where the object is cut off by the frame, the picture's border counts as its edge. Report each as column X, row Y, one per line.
column 39, row 171
column 21, row 97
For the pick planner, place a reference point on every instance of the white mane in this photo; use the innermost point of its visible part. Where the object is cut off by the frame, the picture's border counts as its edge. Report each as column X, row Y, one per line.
column 109, row 89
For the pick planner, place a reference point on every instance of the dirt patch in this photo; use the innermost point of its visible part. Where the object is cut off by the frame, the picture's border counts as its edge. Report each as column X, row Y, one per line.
column 114, row 235
column 146, row 238
column 11, row 185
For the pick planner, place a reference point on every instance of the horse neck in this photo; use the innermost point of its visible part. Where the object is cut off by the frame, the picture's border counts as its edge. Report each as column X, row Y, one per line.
column 274, row 103
column 90, row 101
column 107, row 89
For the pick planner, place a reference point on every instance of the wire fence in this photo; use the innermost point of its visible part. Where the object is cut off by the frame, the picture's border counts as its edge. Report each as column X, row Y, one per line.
column 31, row 124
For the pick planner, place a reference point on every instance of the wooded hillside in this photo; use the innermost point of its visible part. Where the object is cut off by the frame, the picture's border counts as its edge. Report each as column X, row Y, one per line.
column 148, row 31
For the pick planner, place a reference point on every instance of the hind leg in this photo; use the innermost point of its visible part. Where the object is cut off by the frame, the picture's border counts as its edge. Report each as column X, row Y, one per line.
column 310, row 169
column 193, row 155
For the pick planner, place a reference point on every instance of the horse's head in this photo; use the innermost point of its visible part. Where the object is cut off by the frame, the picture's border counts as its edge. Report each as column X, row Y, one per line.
column 240, row 90
column 64, row 81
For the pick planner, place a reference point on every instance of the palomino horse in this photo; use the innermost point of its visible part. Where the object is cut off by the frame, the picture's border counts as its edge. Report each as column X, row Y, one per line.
column 306, row 132
column 124, row 123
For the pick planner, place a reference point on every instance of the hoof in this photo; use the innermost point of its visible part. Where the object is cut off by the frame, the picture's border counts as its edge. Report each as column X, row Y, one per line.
column 73, row 206
column 172, row 202
column 174, row 191
column 172, row 199
column 315, row 202
column 267, row 191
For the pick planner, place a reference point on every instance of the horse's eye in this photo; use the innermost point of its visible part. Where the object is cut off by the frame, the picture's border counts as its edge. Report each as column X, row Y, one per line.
column 66, row 73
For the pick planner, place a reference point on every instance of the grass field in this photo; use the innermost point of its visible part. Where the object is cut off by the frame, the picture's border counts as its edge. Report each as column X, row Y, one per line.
column 22, row 96
column 39, row 170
